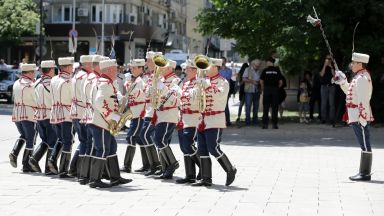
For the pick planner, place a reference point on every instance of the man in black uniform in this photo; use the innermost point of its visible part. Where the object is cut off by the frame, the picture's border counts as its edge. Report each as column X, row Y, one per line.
column 270, row 81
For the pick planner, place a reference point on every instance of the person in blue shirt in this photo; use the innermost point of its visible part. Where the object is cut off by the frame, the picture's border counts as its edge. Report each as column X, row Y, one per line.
column 227, row 74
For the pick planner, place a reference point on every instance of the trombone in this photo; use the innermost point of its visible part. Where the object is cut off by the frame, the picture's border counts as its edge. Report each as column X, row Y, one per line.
column 160, row 63
column 203, row 64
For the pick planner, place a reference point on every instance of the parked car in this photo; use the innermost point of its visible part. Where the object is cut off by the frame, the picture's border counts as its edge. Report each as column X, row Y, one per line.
column 7, row 79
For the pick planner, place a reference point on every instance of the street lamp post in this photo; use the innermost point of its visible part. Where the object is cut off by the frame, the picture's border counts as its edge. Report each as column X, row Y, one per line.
column 41, row 32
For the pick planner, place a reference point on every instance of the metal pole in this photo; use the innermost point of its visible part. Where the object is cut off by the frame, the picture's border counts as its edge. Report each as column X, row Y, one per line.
column 73, row 22
column 102, row 29
column 41, row 31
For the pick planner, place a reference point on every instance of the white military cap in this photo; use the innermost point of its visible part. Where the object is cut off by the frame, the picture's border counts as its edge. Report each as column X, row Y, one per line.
column 360, row 57
column 27, row 67
column 172, row 63
column 107, row 63
column 137, row 63
column 47, row 64
column 150, row 54
column 86, row 59
column 189, row 63
column 217, row 62
column 96, row 58
column 66, row 60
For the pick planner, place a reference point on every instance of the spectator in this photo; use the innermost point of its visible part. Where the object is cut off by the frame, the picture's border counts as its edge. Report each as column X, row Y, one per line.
column 303, row 100
column 270, row 81
column 251, row 80
column 227, row 74
column 241, row 90
column 179, row 71
column 327, row 92
column 315, row 95
column 3, row 65
column 282, row 96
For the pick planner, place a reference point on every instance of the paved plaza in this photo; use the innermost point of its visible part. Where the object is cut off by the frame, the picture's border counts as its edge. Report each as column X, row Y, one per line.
column 299, row 170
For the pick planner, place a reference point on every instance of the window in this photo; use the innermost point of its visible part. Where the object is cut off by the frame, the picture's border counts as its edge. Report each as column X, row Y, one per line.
column 67, row 16
column 114, row 13
column 63, row 14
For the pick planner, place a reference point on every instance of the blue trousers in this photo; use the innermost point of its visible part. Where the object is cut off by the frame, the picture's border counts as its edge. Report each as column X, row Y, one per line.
column 208, row 142
column 251, row 100
column 65, row 133
column 89, row 144
column 81, row 131
column 147, row 131
column 105, row 143
column 133, row 135
column 187, row 139
column 27, row 132
column 47, row 133
column 163, row 134
column 362, row 136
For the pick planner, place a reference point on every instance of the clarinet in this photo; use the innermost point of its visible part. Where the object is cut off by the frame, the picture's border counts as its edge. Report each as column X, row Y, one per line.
column 169, row 95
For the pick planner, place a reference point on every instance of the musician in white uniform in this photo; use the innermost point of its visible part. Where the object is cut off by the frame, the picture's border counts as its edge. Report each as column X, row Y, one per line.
column 358, row 95
column 42, row 115
column 23, row 115
column 136, row 101
column 105, row 106
column 61, row 117
column 211, row 125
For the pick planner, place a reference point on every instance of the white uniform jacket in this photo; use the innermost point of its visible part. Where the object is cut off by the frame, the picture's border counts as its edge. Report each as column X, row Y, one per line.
column 104, row 102
column 216, row 100
column 189, row 110
column 61, row 98
column 78, row 101
column 136, row 97
column 148, row 109
column 169, row 111
column 24, row 100
column 358, row 95
column 87, row 95
column 43, row 98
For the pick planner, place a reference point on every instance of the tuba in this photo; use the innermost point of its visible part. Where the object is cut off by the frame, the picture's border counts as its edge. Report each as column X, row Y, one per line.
column 154, row 95
column 203, row 63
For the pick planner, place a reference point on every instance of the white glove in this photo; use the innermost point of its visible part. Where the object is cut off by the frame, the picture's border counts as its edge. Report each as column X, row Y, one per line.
column 115, row 117
column 339, row 78
column 119, row 96
column 160, row 85
column 128, row 77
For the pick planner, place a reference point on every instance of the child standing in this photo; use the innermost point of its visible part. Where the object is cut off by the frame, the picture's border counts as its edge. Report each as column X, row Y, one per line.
column 303, row 100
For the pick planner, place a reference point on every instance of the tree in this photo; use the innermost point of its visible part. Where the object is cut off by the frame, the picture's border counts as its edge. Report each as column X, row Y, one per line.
column 17, row 18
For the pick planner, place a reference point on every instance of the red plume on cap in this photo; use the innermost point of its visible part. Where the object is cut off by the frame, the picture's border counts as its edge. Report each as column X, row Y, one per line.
column 313, row 21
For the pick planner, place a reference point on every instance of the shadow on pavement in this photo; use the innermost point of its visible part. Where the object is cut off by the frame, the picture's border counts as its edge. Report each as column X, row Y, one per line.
column 223, row 188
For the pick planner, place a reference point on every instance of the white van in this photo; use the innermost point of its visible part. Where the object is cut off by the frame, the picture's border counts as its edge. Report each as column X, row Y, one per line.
column 177, row 55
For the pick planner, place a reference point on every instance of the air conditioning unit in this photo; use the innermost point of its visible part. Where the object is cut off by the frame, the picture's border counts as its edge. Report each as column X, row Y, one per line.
column 83, row 12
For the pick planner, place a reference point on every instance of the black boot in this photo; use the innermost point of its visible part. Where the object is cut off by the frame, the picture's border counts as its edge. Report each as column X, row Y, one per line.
column 153, row 159
column 52, row 161
column 84, row 170
column 129, row 154
column 36, row 156
column 163, row 164
column 171, row 161
column 78, row 165
column 365, row 168
column 73, row 165
column 206, row 172
column 144, row 160
column 228, row 168
column 47, row 171
column 97, row 168
column 15, row 151
column 196, row 160
column 26, row 166
column 113, row 165
column 64, row 163
column 190, row 171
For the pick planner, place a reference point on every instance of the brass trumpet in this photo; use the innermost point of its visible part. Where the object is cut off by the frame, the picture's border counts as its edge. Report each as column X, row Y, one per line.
column 160, row 63
column 203, row 63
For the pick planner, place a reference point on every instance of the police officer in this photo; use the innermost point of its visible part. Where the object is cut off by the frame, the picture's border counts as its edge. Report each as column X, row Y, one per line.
column 147, row 130
column 359, row 92
column 89, row 89
column 270, row 81
column 105, row 106
column 136, row 101
column 43, row 112
column 61, row 118
column 77, row 112
column 23, row 115
column 167, row 117
column 187, row 126
column 211, row 125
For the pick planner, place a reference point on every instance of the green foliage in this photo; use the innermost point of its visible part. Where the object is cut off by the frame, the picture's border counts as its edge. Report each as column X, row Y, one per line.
column 262, row 27
column 17, row 18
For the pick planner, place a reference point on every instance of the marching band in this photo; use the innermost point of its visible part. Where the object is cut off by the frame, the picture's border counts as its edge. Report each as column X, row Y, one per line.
column 96, row 101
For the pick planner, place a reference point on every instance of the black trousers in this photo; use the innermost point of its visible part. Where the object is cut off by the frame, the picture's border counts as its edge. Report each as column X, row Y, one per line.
column 270, row 100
